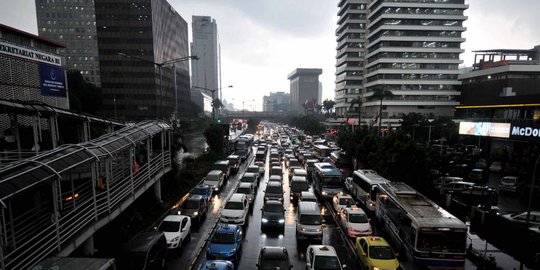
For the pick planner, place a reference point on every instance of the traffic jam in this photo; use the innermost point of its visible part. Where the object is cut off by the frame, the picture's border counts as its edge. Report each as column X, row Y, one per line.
column 287, row 204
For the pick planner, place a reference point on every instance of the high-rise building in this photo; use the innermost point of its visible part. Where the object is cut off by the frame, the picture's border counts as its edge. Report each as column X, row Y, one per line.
column 276, row 102
column 412, row 51
column 73, row 23
column 206, row 71
column 304, row 87
column 137, row 42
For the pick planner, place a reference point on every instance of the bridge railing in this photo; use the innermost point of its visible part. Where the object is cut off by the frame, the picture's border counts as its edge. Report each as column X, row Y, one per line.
column 54, row 215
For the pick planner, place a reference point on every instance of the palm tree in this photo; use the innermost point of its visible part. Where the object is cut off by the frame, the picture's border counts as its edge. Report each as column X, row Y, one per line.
column 328, row 105
column 356, row 101
column 380, row 94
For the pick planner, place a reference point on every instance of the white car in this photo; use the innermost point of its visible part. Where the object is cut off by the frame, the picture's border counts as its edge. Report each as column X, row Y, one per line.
column 341, row 201
column 235, row 210
column 322, row 257
column 356, row 222
column 534, row 219
column 176, row 228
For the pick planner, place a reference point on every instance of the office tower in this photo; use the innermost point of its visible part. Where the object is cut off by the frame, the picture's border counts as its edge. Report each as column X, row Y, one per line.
column 205, row 45
column 276, row 102
column 412, row 51
column 73, row 23
column 304, row 88
column 137, row 42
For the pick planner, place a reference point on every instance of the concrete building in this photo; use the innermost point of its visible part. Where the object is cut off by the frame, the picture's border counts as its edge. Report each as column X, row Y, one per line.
column 276, row 102
column 206, row 71
column 73, row 23
column 149, row 41
column 304, row 87
column 412, row 50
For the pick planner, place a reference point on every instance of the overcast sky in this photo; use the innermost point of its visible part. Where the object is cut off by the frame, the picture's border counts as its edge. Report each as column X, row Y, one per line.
column 262, row 41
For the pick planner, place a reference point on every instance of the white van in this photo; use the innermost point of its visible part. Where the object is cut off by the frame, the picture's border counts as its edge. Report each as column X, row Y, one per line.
column 309, row 222
column 215, row 179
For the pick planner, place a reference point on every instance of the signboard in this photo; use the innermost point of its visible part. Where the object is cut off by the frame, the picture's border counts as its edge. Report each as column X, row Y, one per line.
column 52, row 80
column 485, row 129
column 525, row 131
column 14, row 50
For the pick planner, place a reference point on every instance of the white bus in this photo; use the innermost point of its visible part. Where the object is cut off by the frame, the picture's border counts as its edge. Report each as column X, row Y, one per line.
column 435, row 238
column 361, row 185
column 321, row 151
column 327, row 180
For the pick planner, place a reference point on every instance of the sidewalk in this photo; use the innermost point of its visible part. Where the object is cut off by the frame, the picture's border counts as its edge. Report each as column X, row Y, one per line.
column 503, row 260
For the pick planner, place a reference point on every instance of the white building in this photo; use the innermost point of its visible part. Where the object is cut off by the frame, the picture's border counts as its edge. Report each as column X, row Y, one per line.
column 205, row 45
column 411, row 49
column 276, row 102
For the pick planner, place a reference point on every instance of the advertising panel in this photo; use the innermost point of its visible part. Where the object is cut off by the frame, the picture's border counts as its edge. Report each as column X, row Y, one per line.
column 52, row 80
column 485, row 129
column 525, row 131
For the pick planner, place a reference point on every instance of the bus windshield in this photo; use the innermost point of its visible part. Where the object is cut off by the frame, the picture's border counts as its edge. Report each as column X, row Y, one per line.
column 332, row 181
column 438, row 241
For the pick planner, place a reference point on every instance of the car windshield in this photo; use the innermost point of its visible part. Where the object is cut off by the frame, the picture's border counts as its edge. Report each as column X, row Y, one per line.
column 332, row 181
column 191, row 204
column 510, row 181
column 345, row 201
column 436, row 241
column 220, row 167
column 273, row 208
column 299, row 186
column 274, row 189
column 133, row 260
column 327, row 263
column 243, row 190
column 294, row 163
column 169, row 226
column 234, row 205
column 358, row 218
column 253, row 169
column 200, row 191
column 223, row 238
column 274, row 264
column 381, row 252
column 247, row 179
column 310, row 219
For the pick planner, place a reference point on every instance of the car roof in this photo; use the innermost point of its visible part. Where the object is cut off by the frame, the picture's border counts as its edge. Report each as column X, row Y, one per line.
column 202, row 186
column 248, row 174
column 195, row 197
column 245, row 184
column 323, row 250
column 233, row 156
column 299, row 171
column 298, row 178
column 354, row 210
column 217, row 264
column 273, row 183
column 227, row 228
column 307, row 194
column 274, row 252
column 213, row 172
column 253, row 166
column 237, row 197
column 375, row 241
column 276, row 176
column 347, row 196
column 273, row 202
column 174, row 218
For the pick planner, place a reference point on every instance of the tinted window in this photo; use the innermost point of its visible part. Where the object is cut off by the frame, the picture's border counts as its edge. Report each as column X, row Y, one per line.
column 327, row 262
column 299, row 186
column 274, row 189
column 243, row 190
column 223, row 238
column 358, row 218
column 169, row 226
column 191, row 204
column 272, row 208
column 234, row 205
column 310, row 219
column 381, row 252
column 274, row 263
column 200, row 191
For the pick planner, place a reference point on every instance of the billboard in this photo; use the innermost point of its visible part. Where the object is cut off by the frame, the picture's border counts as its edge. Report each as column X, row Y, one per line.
column 525, row 131
column 485, row 129
column 52, row 80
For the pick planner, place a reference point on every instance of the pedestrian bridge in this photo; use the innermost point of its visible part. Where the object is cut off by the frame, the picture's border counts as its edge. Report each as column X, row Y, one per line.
column 52, row 203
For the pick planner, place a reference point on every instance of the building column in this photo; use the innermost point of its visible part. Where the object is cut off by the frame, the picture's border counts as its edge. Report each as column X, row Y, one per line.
column 87, row 248
column 157, row 191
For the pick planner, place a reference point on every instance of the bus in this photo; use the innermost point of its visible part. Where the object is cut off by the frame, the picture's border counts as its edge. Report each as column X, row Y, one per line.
column 326, row 180
column 321, row 151
column 343, row 162
column 434, row 237
column 361, row 186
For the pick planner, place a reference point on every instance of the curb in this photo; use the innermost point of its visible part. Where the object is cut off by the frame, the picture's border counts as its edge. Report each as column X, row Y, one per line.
column 198, row 253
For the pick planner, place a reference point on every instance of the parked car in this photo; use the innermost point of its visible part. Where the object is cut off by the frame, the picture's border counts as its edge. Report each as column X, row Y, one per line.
column 439, row 182
column 375, row 253
column 255, row 170
column 495, row 166
column 477, row 176
column 273, row 215
column 261, row 166
column 276, row 170
column 307, row 196
column 195, row 207
column 298, row 184
column 215, row 179
column 224, row 166
column 226, row 243
column 342, row 201
column 455, row 186
column 322, row 257
column 204, row 190
column 147, row 250
column 273, row 191
column 217, row 265
column 176, row 228
column 234, row 163
column 510, row 184
column 534, row 218
column 235, row 210
column 356, row 222
column 250, row 178
column 274, row 258
column 248, row 189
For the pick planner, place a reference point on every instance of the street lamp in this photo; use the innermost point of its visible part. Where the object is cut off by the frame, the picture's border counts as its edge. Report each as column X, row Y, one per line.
column 243, row 102
column 160, row 66
column 213, row 99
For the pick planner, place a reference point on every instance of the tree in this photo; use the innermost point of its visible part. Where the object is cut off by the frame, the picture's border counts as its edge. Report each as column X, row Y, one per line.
column 216, row 103
column 380, row 94
column 307, row 123
column 83, row 96
column 356, row 101
column 328, row 105
column 214, row 135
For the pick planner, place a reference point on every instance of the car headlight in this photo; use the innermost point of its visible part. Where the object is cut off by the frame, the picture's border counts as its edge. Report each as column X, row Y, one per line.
column 196, row 213
column 319, row 230
column 281, row 221
column 264, row 220
column 376, row 268
column 324, row 193
column 216, row 189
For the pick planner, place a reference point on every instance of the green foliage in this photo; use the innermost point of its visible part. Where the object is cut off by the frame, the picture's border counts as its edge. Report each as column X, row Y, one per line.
column 83, row 96
column 328, row 105
column 309, row 124
column 214, row 138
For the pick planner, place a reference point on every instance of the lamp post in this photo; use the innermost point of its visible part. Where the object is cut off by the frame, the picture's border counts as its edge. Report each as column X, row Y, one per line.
column 213, row 98
column 243, row 102
column 160, row 68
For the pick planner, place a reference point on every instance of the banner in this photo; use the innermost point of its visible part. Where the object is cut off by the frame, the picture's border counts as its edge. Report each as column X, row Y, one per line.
column 14, row 50
column 52, row 81
column 485, row 129
column 525, row 131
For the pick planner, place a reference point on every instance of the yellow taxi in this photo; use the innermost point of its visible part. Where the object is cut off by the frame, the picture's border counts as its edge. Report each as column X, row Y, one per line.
column 375, row 253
